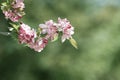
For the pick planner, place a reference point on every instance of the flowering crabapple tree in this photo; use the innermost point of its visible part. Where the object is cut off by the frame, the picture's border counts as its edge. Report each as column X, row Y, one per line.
column 13, row 11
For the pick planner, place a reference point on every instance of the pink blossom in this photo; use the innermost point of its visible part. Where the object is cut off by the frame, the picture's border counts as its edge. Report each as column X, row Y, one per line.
column 18, row 4
column 13, row 16
column 26, row 34
column 16, row 12
column 66, row 28
column 39, row 45
column 50, row 29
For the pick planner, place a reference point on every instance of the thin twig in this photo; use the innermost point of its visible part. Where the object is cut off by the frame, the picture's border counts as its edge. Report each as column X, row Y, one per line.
column 5, row 33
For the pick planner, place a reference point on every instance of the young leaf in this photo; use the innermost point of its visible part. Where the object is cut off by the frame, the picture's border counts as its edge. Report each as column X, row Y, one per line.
column 14, row 26
column 55, row 38
column 10, row 28
column 4, row 4
column 73, row 42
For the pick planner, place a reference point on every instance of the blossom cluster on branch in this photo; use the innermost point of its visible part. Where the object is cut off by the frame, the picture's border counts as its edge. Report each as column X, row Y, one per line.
column 13, row 9
column 36, row 39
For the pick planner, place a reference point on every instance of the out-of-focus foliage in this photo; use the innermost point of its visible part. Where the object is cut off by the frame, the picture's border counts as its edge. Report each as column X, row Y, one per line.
column 97, row 32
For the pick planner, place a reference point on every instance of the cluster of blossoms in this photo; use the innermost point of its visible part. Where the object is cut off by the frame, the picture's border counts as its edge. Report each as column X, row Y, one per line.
column 50, row 30
column 13, row 9
column 36, row 39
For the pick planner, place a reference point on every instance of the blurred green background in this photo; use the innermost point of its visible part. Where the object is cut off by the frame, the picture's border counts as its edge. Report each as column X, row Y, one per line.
column 97, row 32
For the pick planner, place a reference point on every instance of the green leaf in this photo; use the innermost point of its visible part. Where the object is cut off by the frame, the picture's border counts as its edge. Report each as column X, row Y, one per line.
column 4, row 4
column 3, row 7
column 55, row 38
column 14, row 26
column 73, row 42
column 10, row 28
